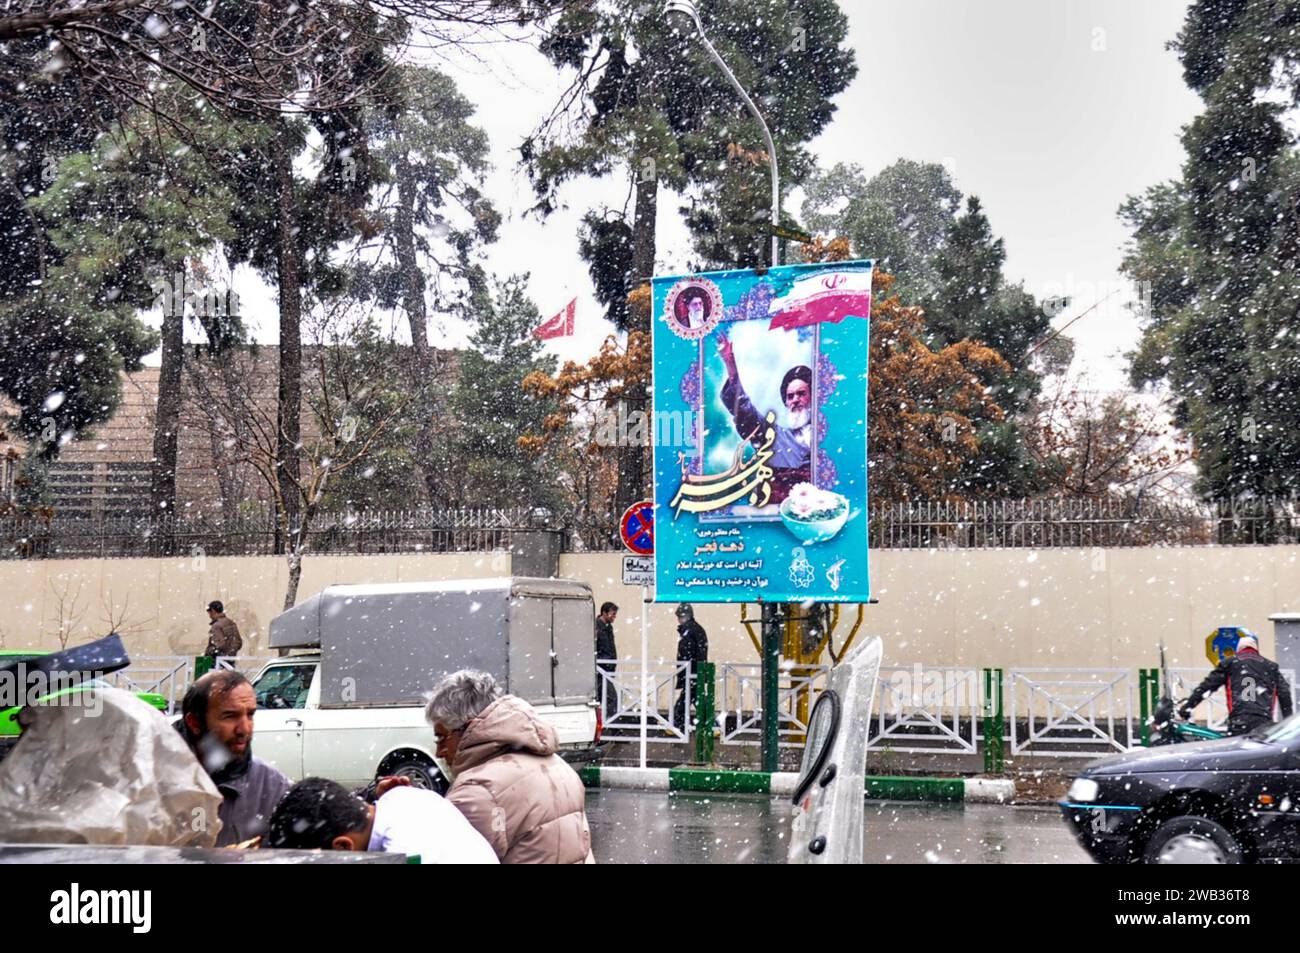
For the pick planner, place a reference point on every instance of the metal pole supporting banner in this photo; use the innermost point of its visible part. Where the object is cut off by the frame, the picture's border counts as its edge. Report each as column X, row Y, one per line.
column 645, row 667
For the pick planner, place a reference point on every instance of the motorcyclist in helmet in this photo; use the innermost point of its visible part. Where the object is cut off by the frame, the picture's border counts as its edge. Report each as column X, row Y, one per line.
column 1254, row 685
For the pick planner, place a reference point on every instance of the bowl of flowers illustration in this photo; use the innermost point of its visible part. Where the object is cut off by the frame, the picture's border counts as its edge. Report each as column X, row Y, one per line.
column 812, row 514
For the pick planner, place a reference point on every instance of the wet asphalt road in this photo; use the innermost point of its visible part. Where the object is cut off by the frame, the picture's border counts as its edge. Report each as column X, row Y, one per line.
column 658, row 828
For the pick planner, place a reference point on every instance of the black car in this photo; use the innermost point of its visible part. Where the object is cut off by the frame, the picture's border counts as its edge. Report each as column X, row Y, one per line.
column 1231, row 801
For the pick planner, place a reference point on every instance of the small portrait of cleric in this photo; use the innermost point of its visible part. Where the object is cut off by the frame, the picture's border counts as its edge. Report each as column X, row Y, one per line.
column 693, row 309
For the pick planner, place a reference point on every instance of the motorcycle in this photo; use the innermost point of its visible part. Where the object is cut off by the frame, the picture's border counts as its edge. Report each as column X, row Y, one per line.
column 1165, row 727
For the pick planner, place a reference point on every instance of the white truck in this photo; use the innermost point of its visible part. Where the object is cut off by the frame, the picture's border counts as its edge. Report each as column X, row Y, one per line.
column 347, row 700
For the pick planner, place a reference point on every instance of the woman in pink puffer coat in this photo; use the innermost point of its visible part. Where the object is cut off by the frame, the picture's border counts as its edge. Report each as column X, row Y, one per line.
column 508, row 780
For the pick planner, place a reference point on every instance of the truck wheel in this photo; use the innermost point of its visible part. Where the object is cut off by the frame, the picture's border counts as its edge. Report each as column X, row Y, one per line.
column 1192, row 840
column 422, row 773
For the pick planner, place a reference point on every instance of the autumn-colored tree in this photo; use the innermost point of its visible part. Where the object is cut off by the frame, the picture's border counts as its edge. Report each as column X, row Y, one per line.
column 589, row 392
column 923, row 403
column 1106, row 446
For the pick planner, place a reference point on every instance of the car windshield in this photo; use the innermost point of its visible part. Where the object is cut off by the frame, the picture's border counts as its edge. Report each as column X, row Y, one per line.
column 1285, row 732
column 284, row 686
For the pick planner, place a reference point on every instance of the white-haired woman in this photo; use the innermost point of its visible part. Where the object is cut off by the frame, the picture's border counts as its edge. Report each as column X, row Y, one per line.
column 507, row 778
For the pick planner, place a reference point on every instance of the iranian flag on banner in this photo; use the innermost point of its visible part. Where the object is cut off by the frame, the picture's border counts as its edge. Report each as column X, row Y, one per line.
column 826, row 296
column 560, row 326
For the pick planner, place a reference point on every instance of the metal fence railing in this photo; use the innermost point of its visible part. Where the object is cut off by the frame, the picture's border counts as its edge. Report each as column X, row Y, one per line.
column 1057, row 710
column 1050, row 712
column 1053, row 712
column 740, row 701
column 1086, row 523
column 1048, row 524
column 1032, row 524
column 619, row 690
column 337, row 533
column 923, row 709
column 171, row 675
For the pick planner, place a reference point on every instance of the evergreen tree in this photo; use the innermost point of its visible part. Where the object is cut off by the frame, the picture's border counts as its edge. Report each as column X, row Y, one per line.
column 434, row 222
column 65, row 337
column 906, row 217
column 1217, row 252
column 492, row 411
column 974, row 300
column 900, row 217
column 656, row 108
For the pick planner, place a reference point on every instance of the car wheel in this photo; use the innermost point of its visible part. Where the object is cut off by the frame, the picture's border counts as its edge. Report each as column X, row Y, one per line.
column 421, row 773
column 1192, row 840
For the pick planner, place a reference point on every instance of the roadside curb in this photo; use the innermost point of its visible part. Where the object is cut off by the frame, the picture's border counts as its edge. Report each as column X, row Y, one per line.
column 781, row 784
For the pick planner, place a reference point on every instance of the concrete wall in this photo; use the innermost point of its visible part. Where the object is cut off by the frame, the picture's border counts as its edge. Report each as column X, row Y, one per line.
column 159, row 603
column 1057, row 608
column 1077, row 608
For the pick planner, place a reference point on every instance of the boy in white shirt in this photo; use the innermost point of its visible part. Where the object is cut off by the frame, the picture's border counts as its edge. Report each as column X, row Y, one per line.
column 321, row 814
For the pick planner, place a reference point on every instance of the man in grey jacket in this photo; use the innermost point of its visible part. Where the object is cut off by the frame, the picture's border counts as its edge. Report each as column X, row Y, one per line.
column 217, row 723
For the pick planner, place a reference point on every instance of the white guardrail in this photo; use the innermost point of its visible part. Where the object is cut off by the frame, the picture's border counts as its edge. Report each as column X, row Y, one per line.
column 171, row 675
column 1053, row 712
column 1048, row 712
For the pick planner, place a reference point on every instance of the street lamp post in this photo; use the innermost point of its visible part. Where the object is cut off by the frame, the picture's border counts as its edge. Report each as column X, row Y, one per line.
column 683, row 17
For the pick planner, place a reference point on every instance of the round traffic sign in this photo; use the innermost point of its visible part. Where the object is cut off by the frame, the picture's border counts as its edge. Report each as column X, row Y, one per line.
column 638, row 528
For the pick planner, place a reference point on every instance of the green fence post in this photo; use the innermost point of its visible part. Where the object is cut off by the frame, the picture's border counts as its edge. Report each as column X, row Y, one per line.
column 705, row 712
column 1148, row 698
column 994, row 722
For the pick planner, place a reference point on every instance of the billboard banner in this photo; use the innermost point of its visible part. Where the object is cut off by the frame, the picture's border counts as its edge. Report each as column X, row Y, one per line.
column 760, row 441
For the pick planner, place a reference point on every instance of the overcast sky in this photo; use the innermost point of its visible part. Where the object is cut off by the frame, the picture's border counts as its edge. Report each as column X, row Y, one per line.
column 1052, row 111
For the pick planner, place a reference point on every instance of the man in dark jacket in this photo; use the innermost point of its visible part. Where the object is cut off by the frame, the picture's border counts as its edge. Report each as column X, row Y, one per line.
column 217, row 723
column 692, row 647
column 606, row 654
column 223, row 634
column 1254, row 684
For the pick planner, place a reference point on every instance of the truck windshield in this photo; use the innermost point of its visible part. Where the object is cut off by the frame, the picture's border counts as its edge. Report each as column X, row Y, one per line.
column 284, row 686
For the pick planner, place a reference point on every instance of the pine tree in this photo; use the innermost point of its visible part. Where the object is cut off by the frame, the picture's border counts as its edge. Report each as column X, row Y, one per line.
column 493, row 411
column 1217, row 252
column 900, row 217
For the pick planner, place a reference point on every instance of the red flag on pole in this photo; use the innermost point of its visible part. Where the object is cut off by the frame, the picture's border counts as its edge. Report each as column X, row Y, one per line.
column 560, row 326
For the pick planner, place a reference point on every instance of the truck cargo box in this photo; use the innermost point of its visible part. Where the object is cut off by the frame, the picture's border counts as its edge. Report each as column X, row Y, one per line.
column 387, row 644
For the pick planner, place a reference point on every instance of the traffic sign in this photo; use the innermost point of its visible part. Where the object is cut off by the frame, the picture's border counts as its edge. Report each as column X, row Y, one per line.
column 792, row 233
column 1221, row 643
column 638, row 528
column 638, row 571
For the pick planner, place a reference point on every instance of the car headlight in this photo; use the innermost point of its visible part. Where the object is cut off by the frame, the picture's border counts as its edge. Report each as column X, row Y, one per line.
column 1083, row 790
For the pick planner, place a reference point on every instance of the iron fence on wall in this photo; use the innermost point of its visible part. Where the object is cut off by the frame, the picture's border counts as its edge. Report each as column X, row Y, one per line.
column 1022, row 524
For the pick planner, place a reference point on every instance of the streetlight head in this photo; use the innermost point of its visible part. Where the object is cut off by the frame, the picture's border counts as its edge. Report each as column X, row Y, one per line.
column 681, row 16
